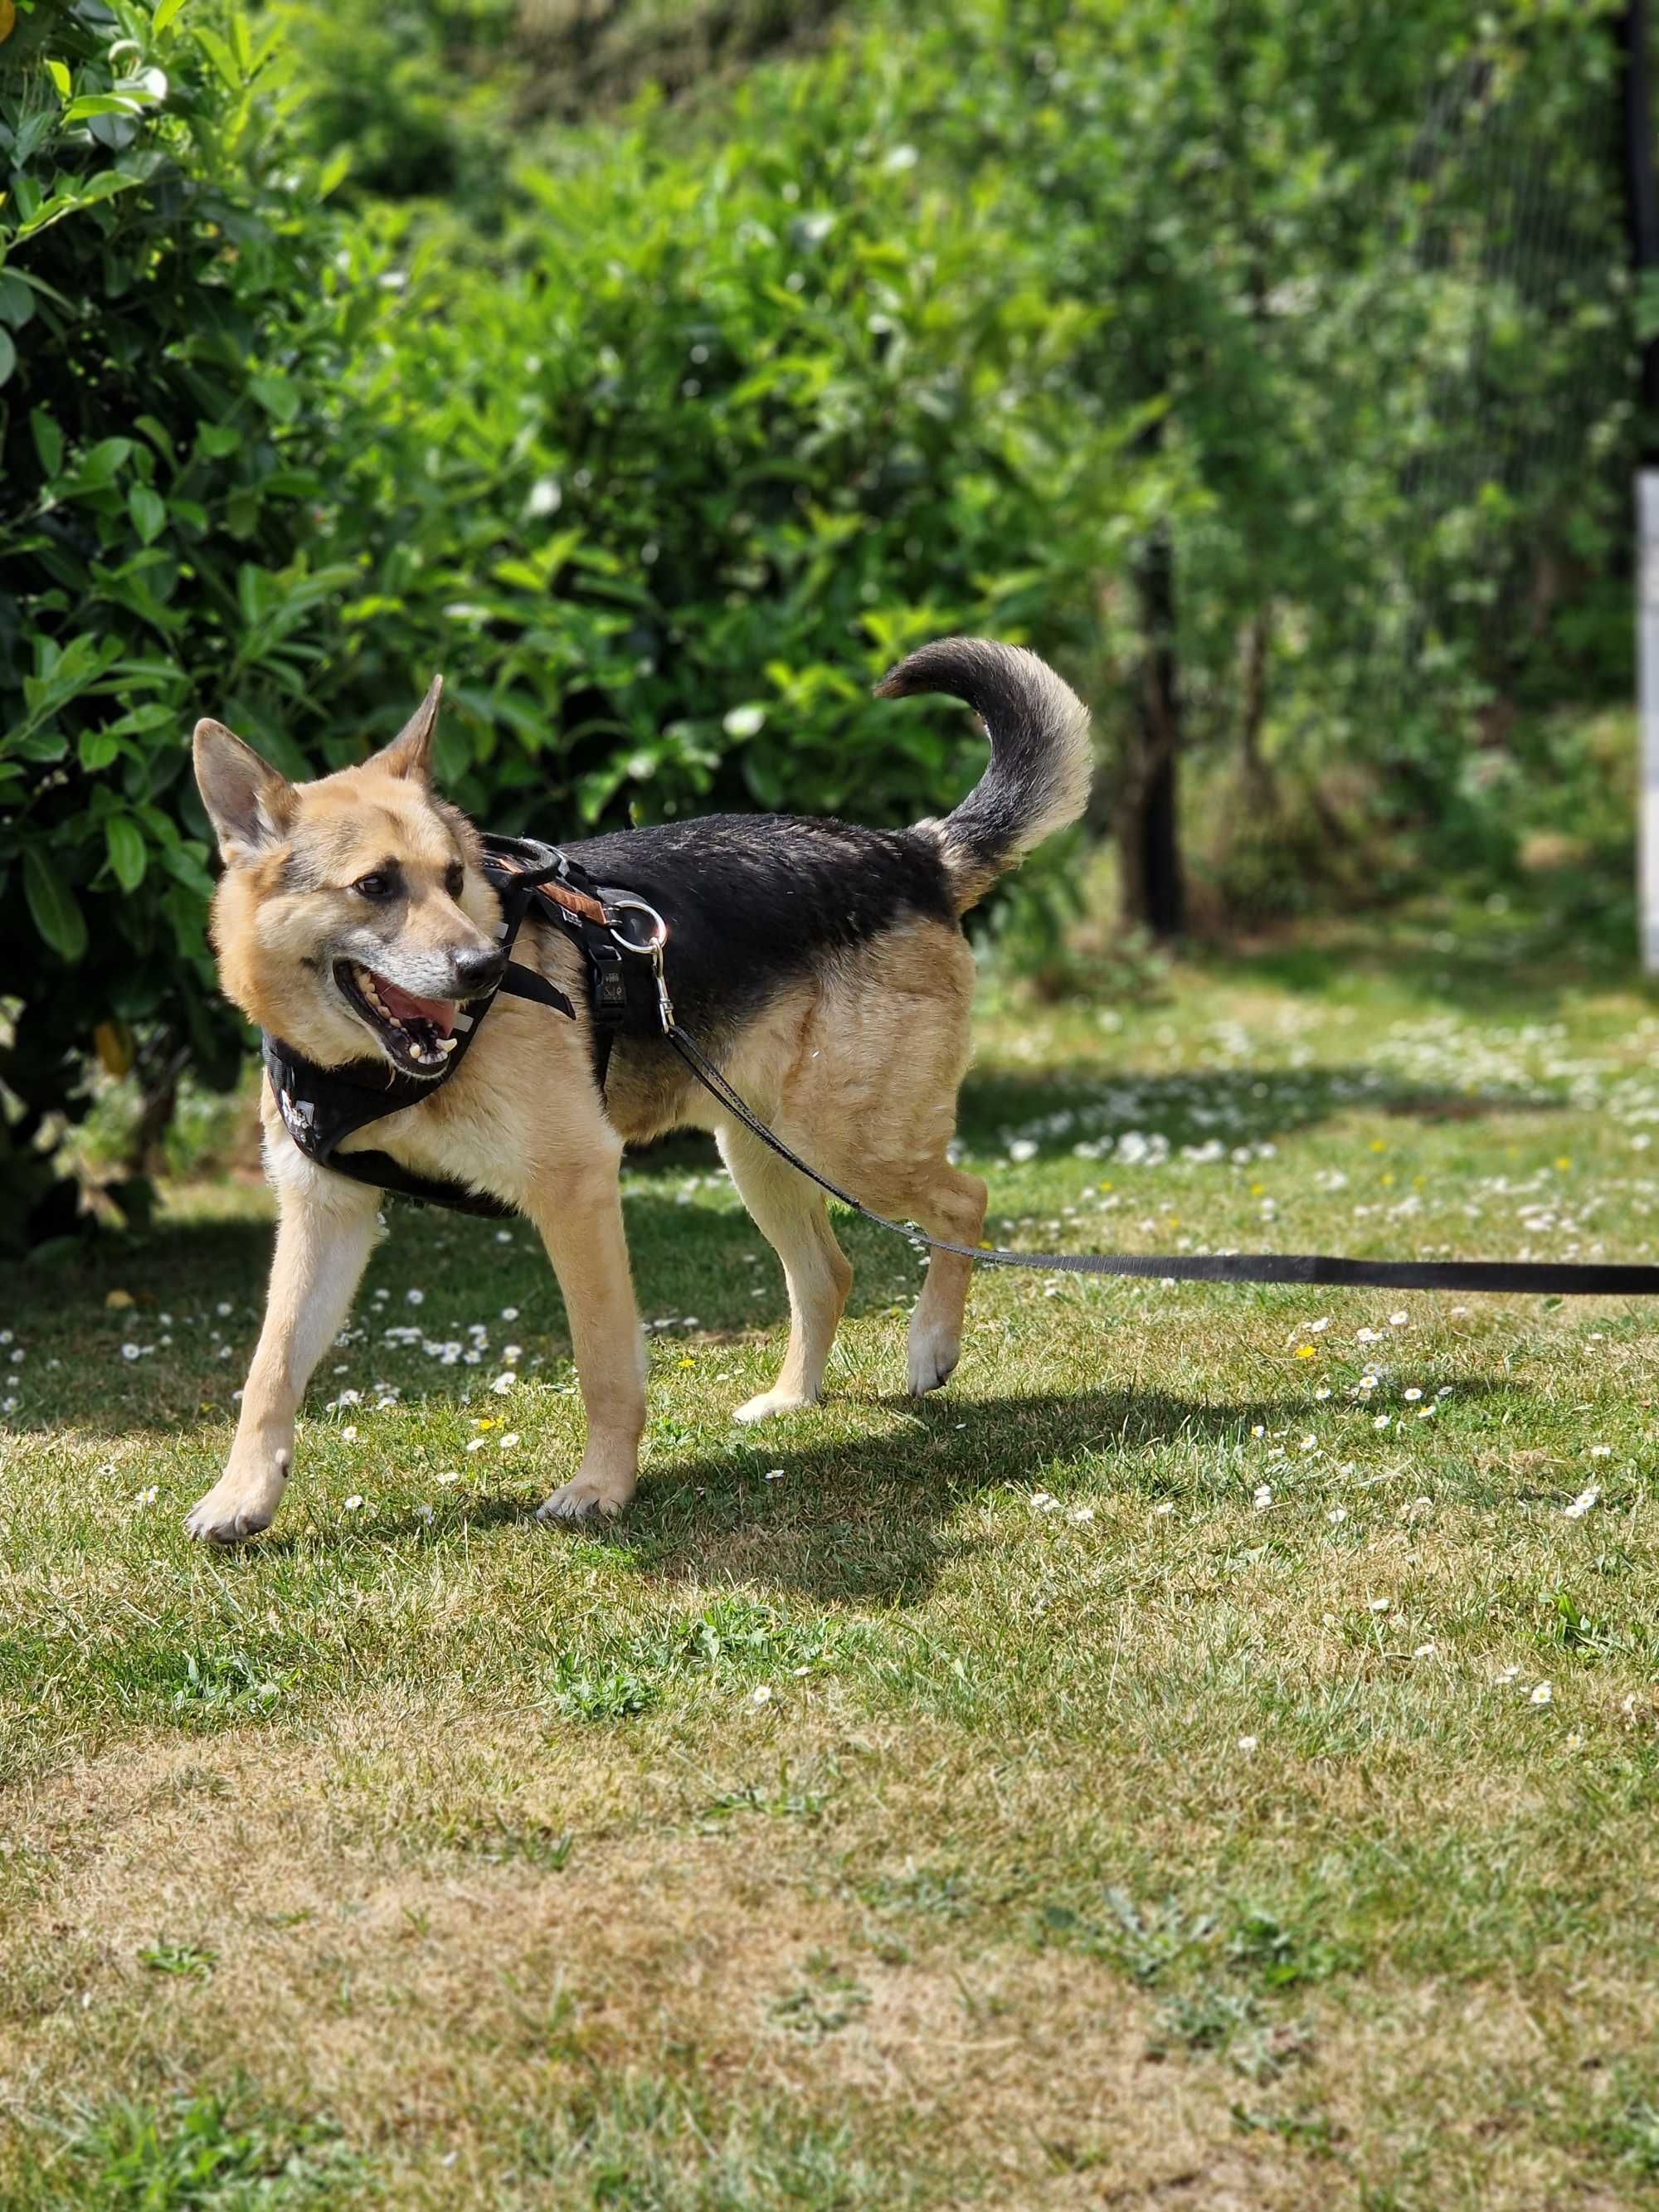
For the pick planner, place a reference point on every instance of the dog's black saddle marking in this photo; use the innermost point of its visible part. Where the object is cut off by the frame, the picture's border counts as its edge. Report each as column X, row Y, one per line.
column 756, row 902
column 321, row 1107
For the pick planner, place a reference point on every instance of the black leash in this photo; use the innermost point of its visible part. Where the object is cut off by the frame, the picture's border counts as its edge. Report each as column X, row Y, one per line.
column 1557, row 1278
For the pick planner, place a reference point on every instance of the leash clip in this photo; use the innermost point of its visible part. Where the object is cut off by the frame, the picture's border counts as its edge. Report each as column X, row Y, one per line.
column 619, row 904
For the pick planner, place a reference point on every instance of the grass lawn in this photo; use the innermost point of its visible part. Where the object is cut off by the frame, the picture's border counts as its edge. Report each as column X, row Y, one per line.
column 1206, row 1756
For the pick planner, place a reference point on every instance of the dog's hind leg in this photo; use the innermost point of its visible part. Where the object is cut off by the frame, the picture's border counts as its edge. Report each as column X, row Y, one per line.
column 951, row 1205
column 791, row 1216
column 324, row 1233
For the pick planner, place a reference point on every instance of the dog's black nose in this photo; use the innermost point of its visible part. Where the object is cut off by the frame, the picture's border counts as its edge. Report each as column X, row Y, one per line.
column 480, row 970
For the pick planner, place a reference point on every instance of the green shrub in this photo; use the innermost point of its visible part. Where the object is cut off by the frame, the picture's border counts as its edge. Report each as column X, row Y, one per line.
column 716, row 442
column 415, row 93
column 169, row 336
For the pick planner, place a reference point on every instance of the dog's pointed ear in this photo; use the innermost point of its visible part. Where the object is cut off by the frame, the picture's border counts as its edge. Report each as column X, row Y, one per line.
column 249, row 803
column 410, row 753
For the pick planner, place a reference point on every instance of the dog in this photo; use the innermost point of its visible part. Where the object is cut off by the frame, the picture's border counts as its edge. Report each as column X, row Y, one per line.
column 824, row 966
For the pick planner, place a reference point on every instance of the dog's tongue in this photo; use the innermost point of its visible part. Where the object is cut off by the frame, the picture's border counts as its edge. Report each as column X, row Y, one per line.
column 441, row 1013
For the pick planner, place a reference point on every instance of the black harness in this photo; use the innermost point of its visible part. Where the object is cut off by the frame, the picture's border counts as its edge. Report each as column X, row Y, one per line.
column 621, row 940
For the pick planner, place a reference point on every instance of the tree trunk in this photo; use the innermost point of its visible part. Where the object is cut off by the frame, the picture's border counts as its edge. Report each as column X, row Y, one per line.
column 1257, row 776
column 1148, row 824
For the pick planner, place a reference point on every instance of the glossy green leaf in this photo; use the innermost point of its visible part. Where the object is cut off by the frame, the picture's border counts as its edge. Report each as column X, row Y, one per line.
column 149, row 513
column 97, row 749
column 58, row 915
column 50, row 441
column 128, row 853
column 103, row 463
column 91, row 104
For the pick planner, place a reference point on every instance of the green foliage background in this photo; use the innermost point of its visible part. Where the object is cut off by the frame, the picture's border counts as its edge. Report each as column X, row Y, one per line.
column 332, row 351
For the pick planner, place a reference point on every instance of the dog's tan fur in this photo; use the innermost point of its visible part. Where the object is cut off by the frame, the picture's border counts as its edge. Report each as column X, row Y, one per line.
column 858, row 1067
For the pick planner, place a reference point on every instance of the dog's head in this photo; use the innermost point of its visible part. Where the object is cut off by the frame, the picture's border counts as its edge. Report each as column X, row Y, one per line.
column 352, row 918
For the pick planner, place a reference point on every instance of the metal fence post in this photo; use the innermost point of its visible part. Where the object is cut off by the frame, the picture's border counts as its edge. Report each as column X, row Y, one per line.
column 1642, row 208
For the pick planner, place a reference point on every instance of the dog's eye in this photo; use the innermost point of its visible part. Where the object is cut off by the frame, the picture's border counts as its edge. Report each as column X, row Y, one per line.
column 375, row 885
column 455, row 880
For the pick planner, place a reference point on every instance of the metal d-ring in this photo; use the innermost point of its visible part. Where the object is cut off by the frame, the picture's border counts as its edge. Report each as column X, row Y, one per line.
column 618, row 904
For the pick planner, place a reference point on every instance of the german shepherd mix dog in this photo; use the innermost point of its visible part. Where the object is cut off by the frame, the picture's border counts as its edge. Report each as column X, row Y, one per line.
column 823, row 966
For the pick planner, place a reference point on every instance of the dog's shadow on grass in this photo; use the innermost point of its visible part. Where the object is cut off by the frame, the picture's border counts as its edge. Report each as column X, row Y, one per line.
column 875, row 1519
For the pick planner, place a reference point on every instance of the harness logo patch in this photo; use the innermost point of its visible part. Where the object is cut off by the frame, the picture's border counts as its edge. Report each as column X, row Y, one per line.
column 299, row 1115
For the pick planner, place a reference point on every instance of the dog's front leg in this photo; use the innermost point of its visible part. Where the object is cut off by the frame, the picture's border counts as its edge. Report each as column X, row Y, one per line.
column 324, row 1233
column 580, row 1220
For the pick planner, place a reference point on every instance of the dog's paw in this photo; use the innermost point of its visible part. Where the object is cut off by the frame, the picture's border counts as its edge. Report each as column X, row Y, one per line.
column 585, row 1497
column 244, row 1498
column 770, row 1402
column 932, row 1360
column 227, row 1517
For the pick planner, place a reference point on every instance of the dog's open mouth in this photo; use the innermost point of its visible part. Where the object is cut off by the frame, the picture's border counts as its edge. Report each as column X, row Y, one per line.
column 419, row 1034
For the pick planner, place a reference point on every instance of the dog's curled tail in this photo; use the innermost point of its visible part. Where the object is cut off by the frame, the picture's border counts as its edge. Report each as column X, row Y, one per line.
column 1038, row 779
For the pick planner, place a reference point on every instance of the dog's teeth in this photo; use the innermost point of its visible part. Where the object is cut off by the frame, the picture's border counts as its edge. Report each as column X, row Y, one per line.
column 446, row 1045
